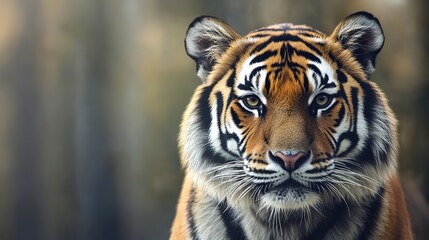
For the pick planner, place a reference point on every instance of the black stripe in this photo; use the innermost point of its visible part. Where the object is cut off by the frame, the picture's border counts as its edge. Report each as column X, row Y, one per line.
column 315, row 70
column 308, row 55
column 231, row 97
column 243, row 140
column 340, row 66
column 316, row 170
column 294, row 38
column 296, row 75
column 211, row 156
column 262, row 110
column 332, row 141
column 235, row 118
column 223, row 137
column 334, row 59
column 262, row 171
column 190, row 215
column 203, row 108
column 313, row 48
column 367, row 153
column 232, row 224
column 309, row 35
column 233, row 67
column 341, row 76
column 244, row 87
column 352, row 137
column 281, row 38
column 231, row 78
column 329, row 85
column 346, row 103
column 306, row 84
column 371, row 101
column 340, row 116
column 331, row 218
column 292, row 65
column 286, row 53
column 255, row 71
column 355, row 102
column 264, row 56
column 267, row 84
column 219, row 107
column 372, row 215
column 338, row 211
column 258, row 161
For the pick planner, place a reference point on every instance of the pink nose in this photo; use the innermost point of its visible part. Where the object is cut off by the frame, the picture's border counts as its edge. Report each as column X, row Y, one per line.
column 289, row 160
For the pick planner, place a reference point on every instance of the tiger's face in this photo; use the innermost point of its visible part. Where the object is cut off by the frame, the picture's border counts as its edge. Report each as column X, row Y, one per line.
column 286, row 117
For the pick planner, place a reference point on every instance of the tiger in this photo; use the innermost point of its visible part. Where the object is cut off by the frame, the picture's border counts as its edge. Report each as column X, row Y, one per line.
column 287, row 136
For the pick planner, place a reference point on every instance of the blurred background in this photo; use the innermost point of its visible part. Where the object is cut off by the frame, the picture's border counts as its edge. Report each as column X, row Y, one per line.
column 92, row 92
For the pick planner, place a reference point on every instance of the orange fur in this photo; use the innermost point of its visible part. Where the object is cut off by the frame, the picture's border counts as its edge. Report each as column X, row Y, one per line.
column 179, row 231
column 397, row 223
column 290, row 121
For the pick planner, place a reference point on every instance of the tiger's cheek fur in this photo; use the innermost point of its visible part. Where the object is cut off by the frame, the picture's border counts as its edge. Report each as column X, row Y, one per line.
column 321, row 146
column 322, row 129
column 250, row 132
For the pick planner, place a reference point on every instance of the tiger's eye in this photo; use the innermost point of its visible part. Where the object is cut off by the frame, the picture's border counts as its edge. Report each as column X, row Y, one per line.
column 322, row 100
column 252, row 102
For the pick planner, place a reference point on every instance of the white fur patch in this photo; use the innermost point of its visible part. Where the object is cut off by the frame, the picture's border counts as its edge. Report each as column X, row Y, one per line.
column 316, row 82
column 247, row 68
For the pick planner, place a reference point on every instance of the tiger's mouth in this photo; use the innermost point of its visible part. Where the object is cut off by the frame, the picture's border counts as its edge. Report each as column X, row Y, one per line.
column 290, row 195
column 290, row 183
column 291, row 189
column 290, row 186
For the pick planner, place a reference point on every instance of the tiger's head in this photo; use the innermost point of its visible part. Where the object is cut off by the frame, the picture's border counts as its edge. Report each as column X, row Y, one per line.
column 287, row 117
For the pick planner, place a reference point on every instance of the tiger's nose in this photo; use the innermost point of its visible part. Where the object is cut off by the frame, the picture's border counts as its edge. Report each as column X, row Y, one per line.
column 290, row 158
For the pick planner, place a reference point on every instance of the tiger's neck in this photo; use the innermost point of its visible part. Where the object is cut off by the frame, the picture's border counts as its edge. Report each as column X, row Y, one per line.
column 213, row 219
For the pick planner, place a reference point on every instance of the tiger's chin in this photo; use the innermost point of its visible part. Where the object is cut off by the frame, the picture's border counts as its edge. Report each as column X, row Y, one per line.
column 290, row 198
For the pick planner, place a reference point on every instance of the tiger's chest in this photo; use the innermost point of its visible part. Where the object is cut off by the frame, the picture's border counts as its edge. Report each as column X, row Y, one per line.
column 210, row 219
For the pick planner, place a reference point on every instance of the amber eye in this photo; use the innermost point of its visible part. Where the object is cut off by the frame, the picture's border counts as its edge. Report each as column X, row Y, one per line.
column 252, row 101
column 322, row 100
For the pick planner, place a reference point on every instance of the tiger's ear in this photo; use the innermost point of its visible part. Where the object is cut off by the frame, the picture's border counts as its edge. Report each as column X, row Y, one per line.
column 362, row 34
column 206, row 40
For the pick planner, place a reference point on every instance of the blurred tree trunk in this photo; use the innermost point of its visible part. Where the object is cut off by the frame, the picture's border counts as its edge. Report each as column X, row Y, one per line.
column 126, row 115
column 95, row 178
column 26, row 170
column 11, row 26
column 57, row 85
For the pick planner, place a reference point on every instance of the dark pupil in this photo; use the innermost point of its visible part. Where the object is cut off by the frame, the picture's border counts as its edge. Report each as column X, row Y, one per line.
column 322, row 100
column 252, row 101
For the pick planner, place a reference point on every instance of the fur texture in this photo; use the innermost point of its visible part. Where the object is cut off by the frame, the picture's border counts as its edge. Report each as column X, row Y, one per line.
column 287, row 137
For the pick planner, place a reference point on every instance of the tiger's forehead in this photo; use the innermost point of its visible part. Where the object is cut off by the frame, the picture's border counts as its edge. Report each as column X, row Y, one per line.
column 282, row 62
